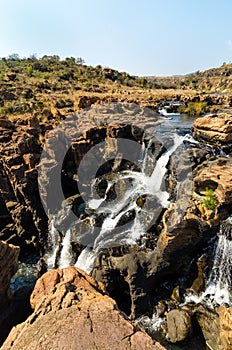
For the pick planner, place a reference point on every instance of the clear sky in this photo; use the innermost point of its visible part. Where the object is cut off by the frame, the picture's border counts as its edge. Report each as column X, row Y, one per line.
column 149, row 37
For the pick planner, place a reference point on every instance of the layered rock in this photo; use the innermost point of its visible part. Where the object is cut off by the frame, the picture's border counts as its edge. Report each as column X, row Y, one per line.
column 24, row 221
column 71, row 310
column 216, row 128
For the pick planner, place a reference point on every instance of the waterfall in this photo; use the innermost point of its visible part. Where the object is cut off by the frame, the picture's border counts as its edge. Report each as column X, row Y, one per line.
column 219, row 285
column 154, row 182
column 86, row 259
column 53, row 241
column 124, row 219
column 66, row 252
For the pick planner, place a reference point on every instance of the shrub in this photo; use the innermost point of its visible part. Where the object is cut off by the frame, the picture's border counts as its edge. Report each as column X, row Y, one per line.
column 30, row 70
column 196, row 108
column 210, row 201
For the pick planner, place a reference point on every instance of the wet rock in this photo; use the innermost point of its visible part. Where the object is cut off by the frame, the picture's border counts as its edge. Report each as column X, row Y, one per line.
column 177, row 294
column 198, row 285
column 70, row 308
column 160, row 308
column 179, row 325
column 8, row 266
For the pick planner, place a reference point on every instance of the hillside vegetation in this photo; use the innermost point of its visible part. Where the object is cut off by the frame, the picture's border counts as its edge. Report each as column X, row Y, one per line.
column 211, row 80
column 51, row 86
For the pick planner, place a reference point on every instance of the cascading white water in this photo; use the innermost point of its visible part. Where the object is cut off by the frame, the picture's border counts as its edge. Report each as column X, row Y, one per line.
column 66, row 252
column 219, row 285
column 138, row 184
column 86, row 260
column 53, row 240
column 154, row 182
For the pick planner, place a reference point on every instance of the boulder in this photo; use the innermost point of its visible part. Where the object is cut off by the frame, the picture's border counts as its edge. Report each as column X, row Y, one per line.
column 215, row 128
column 179, row 325
column 72, row 311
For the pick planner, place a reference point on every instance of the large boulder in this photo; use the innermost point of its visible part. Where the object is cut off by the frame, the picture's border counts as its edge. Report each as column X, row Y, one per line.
column 215, row 128
column 179, row 325
column 71, row 311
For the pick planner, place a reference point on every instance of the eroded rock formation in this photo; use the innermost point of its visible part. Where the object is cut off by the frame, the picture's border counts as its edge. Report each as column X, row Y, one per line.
column 216, row 128
column 22, row 217
column 23, row 220
column 72, row 311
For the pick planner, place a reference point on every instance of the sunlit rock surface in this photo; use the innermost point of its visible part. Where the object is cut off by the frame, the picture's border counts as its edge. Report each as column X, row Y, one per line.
column 71, row 311
column 216, row 128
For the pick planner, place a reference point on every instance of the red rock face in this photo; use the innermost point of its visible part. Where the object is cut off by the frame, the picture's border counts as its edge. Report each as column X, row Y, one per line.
column 72, row 312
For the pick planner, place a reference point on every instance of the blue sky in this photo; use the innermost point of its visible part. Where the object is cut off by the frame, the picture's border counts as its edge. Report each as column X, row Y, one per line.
column 149, row 37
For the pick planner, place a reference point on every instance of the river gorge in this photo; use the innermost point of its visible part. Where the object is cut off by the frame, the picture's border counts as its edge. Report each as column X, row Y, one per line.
column 140, row 202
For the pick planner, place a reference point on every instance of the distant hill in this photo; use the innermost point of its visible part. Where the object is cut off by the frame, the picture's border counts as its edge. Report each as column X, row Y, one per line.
column 211, row 80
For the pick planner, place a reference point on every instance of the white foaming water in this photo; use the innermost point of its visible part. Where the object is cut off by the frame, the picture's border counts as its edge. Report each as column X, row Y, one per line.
column 95, row 203
column 153, row 324
column 54, row 239
column 142, row 154
column 154, row 182
column 219, row 285
column 86, row 259
column 66, row 255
